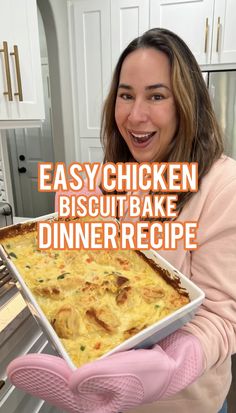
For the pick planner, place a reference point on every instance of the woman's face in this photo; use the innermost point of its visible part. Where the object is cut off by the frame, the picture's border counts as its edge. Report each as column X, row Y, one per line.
column 145, row 110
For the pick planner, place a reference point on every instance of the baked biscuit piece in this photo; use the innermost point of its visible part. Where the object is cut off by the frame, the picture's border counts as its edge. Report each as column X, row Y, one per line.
column 150, row 294
column 53, row 292
column 104, row 318
column 66, row 322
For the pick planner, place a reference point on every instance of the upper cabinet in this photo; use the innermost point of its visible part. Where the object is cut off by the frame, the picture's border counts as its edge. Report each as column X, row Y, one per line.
column 207, row 26
column 21, row 90
column 90, row 51
column 101, row 29
column 224, row 32
column 129, row 19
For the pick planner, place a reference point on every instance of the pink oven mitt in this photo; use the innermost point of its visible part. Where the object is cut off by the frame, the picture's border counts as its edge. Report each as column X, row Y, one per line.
column 115, row 383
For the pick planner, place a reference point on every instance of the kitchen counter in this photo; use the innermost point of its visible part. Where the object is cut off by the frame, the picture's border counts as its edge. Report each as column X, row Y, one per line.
column 17, row 220
column 12, row 313
column 13, row 310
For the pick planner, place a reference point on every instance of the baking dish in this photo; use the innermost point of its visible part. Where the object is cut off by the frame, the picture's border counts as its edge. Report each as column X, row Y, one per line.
column 145, row 338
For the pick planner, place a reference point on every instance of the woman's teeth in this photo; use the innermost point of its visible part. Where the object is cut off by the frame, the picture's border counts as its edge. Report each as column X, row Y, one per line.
column 142, row 137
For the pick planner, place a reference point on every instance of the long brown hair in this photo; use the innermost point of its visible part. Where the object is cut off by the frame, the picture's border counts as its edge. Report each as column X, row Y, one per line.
column 198, row 137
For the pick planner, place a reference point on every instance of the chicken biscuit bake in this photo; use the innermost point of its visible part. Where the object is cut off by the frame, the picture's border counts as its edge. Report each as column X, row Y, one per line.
column 94, row 299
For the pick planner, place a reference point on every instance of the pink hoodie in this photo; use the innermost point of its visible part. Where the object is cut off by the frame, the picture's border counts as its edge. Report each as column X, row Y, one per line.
column 213, row 268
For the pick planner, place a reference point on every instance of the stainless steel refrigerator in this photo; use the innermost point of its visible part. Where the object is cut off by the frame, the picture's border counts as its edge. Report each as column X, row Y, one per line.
column 222, row 89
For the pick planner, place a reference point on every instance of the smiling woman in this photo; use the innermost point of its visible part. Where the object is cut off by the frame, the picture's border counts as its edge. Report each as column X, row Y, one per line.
column 158, row 109
column 145, row 110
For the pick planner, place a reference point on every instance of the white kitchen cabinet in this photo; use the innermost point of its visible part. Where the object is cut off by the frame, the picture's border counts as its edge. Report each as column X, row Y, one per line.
column 224, row 32
column 90, row 50
column 21, row 91
column 129, row 19
column 207, row 26
column 101, row 29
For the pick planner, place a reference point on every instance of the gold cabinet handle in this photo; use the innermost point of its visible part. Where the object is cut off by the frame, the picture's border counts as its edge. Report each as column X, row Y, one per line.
column 18, row 75
column 206, row 34
column 218, row 35
column 7, row 69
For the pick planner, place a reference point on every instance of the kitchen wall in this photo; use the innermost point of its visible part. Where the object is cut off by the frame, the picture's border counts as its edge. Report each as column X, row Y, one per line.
column 6, row 194
column 54, row 15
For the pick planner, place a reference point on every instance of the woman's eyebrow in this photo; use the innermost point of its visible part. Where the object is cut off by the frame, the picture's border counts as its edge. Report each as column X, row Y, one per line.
column 157, row 86
column 150, row 87
column 124, row 86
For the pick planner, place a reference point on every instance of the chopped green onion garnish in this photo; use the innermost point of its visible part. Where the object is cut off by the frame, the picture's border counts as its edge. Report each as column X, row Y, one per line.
column 61, row 276
column 13, row 255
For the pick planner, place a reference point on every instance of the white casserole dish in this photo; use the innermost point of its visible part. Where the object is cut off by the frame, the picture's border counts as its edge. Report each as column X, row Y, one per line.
column 143, row 339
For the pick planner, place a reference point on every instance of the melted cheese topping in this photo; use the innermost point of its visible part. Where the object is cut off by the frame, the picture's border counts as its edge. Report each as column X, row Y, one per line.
column 93, row 299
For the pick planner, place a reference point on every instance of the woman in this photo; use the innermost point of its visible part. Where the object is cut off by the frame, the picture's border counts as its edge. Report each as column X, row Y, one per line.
column 158, row 109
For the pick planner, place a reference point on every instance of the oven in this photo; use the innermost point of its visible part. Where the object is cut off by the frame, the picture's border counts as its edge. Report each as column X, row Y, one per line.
column 19, row 334
column 6, row 282
column 6, row 217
